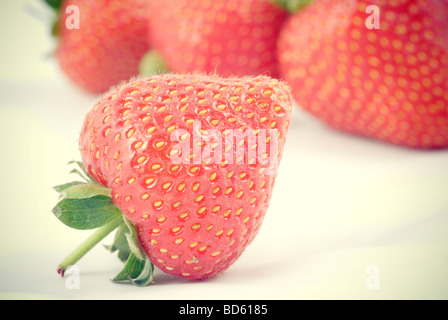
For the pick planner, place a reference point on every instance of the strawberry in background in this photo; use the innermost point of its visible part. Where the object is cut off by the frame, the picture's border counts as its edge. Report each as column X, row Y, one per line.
column 229, row 37
column 107, row 45
column 389, row 84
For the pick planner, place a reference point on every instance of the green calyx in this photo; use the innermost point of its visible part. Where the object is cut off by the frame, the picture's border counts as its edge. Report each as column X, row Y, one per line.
column 56, row 6
column 86, row 205
column 293, row 6
column 152, row 63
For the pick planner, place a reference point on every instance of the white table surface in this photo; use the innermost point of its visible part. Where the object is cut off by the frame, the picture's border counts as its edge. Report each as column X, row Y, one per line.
column 342, row 205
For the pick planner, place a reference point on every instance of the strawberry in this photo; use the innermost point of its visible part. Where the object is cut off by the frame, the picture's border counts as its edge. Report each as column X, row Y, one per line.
column 189, row 162
column 389, row 84
column 107, row 45
column 228, row 37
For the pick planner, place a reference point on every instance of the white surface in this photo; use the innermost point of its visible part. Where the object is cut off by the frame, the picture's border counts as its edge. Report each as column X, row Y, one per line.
column 340, row 205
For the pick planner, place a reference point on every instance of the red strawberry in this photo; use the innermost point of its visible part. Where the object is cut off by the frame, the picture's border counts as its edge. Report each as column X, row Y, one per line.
column 158, row 145
column 389, row 83
column 228, row 37
column 108, row 45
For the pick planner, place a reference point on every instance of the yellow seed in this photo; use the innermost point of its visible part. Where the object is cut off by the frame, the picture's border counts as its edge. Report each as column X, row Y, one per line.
column 221, row 107
column 168, row 118
column 246, row 219
column 181, row 187
column 229, row 233
column 149, row 181
column 183, row 215
column 239, row 194
column 212, row 176
column 215, row 190
column 146, row 119
column 130, row 133
column 230, row 175
column 202, row 101
column 178, row 240
column 138, row 145
column 158, row 203
column 131, row 181
column 203, row 248
column 201, row 210
column 220, row 232
column 160, row 144
column 151, row 130
column 156, row 166
column 216, row 253
column 141, row 159
column 174, row 168
column 116, row 155
column 214, row 122
column 177, row 204
column 128, row 198
column 226, row 213
column 193, row 244
column 163, row 250
column 145, row 196
column 228, row 190
column 199, row 198
column 193, row 170
column 167, row 185
column 107, row 118
column 216, row 209
column 196, row 227
column 189, row 122
column 171, row 129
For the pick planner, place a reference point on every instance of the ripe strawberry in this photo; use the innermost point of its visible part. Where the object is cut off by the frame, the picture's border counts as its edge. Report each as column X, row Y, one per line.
column 158, row 147
column 389, row 83
column 228, row 37
column 109, row 44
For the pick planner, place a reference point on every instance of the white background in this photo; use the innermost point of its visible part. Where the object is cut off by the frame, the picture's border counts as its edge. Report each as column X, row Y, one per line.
column 342, row 205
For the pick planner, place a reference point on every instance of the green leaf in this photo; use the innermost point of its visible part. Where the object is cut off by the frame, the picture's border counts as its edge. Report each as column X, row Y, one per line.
column 86, row 213
column 138, row 272
column 55, row 4
column 120, row 243
column 62, row 187
column 293, row 6
column 85, row 190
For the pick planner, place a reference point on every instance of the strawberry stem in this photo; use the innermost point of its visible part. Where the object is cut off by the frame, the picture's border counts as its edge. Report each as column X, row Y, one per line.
column 88, row 244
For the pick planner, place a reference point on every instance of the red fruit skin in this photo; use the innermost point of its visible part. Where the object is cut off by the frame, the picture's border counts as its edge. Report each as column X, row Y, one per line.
column 108, row 46
column 226, row 37
column 188, row 220
column 389, row 84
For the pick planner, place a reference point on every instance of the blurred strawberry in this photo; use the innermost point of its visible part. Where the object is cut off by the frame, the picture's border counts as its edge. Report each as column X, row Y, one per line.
column 389, row 83
column 107, row 45
column 229, row 37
